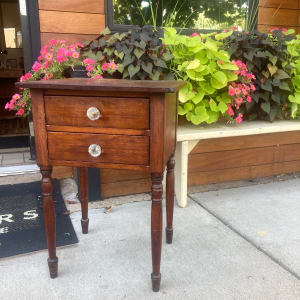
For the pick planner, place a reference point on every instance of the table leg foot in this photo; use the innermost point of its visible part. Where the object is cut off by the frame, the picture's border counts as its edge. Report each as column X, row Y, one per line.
column 85, row 226
column 169, row 235
column 156, row 282
column 53, row 267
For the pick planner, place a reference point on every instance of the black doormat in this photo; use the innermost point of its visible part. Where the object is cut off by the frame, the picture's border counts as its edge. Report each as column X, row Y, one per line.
column 21, row 219
column 14, row 142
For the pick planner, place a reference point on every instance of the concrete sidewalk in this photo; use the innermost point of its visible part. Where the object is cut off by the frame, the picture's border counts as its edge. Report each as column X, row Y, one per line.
column 232, row 244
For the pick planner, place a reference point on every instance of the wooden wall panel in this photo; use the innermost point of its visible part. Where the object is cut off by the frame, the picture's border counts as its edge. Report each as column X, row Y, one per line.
column 279, row 13
column 71, row 20
column 293, row 4
column 90, row 6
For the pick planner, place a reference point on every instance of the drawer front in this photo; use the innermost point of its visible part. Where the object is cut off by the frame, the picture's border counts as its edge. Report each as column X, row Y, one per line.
column 109, row 112
column 118, row 149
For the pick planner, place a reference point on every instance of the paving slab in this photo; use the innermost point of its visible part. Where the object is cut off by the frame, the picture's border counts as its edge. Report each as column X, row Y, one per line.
column 268, row 215
column 206, row 261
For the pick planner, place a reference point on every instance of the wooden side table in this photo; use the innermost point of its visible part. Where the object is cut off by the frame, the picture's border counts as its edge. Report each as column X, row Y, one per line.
column 107, row 124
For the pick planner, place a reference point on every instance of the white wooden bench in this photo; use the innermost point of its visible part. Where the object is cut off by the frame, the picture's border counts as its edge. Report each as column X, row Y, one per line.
column 189, row 135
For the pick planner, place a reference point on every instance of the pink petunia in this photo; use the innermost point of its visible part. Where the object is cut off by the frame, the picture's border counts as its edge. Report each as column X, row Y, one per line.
column 20, row 112
column 36, row 66
column 113, row 66
column 249, row 99
column 60, row 58
column 194, row 34
column 68, row 53
column 237, row 91
column 48, row 56
column 239, row 101
column 88, row 61
column 230, row 111
column 89, row 68
column 53, row 42
column 239, row 119
column 105, row 66
column 75, row 54
column 98, row 76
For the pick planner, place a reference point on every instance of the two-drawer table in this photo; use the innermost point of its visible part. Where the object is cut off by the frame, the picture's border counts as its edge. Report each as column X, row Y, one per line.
column 106, row 123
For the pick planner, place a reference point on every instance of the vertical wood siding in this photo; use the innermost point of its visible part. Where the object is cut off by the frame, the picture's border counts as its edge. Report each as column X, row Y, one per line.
column 71, row 20
column 279, row 13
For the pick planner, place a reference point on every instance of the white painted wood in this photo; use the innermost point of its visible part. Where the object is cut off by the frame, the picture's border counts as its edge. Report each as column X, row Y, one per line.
column 191, row 132
column 189, row 135
column 181, row 166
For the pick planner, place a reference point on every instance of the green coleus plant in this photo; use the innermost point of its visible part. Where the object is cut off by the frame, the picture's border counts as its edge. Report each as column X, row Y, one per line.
column 207, row 70
column 293, row 50
column 265, row 57
column 138, row 53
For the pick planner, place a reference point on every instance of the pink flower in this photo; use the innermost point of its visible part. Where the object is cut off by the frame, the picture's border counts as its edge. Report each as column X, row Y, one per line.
column 98, row 76
column 53, row 42
column 237, row 91
column 62, row 41
column 230, row 111
column 239, row 119
column 105, row 66
column 61, row 51
column 22, row 79
column 68, row 53
column 113, row 66
column 249, row 99
column 48, row 56
column 20, row 112
column 252, row 87
column 244, row 73
column 231, row 91
column 273, row 29
column 36, row 66
column 75, row 54
column 28, row 75
column 239, row 101
column 40, row 58
column 16, row 97
column 60, row 58
column 194, row 34
column 88, row 61
column 44, row 50
column 47, row 64
column 89, row 68
column 8, row 106
column 79, row 45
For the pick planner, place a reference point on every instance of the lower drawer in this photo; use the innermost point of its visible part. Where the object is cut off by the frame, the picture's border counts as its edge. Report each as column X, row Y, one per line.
column 118, row 149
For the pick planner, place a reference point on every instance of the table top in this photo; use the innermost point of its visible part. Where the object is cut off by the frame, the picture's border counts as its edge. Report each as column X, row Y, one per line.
column 188, row 132
column 120, row 85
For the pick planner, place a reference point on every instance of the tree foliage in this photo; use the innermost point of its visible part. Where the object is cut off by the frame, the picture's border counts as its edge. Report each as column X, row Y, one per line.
column 136, row 12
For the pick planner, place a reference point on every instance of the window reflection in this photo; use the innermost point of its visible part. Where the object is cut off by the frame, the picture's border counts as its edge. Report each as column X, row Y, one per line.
column 196, row 14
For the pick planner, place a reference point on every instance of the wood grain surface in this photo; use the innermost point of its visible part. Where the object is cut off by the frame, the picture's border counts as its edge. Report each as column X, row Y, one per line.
column 89, row 6
column 130, row 113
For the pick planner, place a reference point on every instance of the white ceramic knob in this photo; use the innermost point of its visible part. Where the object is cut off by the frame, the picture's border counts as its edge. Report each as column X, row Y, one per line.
column 93, row 113
column 95, row 150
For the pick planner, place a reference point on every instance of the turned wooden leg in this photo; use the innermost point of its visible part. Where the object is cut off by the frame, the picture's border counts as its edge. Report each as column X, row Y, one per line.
column 170, row 199
column 49, row 218
column 156, row 229
column 84, row 199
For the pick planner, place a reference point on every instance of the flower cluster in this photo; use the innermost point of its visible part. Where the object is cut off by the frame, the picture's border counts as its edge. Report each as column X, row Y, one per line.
column 283, row 30
column 97, row 70
column 54, row 58
column 240, row 91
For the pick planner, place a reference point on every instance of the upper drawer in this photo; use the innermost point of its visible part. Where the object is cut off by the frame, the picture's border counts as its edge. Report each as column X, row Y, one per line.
column 109, row 112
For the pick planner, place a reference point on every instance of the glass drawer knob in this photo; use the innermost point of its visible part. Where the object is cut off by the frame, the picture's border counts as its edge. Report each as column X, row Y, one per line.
column 95, row 150
column 93, row 113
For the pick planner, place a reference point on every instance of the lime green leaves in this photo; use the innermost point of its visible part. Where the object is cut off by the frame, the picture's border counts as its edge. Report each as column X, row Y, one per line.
column 207, row 69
